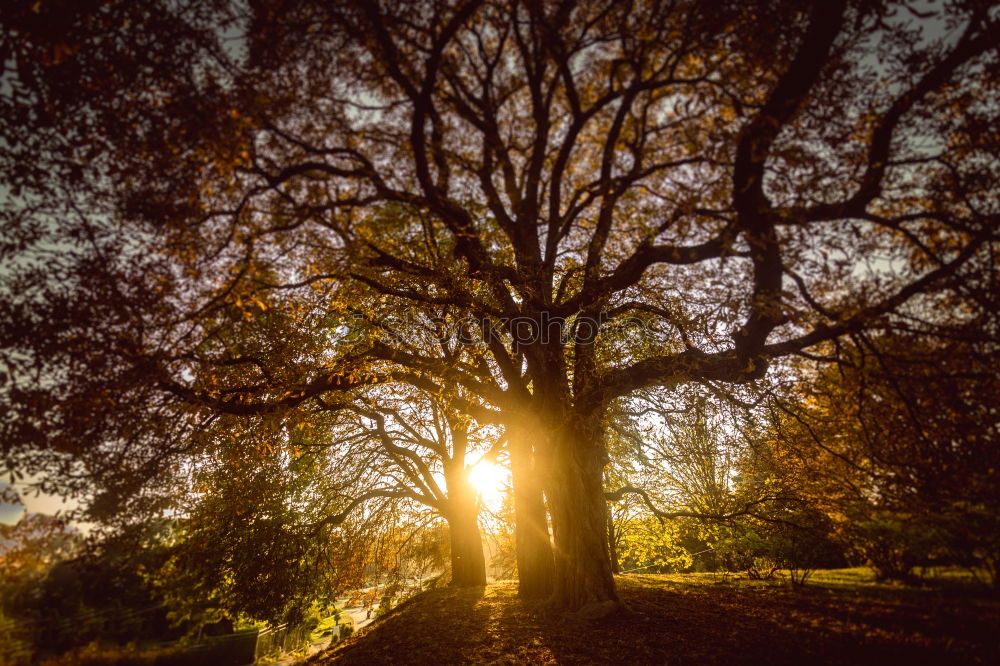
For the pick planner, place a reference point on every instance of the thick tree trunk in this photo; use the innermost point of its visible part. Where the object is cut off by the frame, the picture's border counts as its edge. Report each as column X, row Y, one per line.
column 583, row 580
column 531, row 531
column 468, row 564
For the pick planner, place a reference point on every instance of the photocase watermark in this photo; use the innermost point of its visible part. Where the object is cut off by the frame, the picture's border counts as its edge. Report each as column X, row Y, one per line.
column 414, row 326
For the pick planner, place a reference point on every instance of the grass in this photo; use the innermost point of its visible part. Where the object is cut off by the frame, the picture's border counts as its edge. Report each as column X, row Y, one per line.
column 939, row 581
column 325, row 629
column 840, row 617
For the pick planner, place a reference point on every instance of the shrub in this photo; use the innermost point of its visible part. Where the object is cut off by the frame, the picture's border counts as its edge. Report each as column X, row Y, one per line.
column 971, row 533
column 799, row 541
column 893, row 546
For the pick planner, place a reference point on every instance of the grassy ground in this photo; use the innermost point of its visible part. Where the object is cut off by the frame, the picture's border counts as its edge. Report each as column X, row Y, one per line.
column 326, row 627
column 841, row 617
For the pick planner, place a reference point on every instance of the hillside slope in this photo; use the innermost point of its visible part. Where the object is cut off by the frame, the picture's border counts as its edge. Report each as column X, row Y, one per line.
column 685, row 620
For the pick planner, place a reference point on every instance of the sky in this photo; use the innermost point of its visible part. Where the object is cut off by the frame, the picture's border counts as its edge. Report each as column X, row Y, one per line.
column 48, row 504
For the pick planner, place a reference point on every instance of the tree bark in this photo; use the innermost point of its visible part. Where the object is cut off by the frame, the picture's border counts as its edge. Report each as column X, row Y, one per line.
column 616, row 567
column 468, row 564
column 531, row 531
column 583, row 580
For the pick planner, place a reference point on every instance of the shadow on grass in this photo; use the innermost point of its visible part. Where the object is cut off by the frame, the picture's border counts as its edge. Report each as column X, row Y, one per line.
column 775, row 624
column 434, row 627
column 676, row 623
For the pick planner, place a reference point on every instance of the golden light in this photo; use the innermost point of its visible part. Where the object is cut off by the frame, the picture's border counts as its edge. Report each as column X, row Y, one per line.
column 489, row 480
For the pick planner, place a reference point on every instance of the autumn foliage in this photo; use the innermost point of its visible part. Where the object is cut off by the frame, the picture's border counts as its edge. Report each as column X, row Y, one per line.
column 286, row 270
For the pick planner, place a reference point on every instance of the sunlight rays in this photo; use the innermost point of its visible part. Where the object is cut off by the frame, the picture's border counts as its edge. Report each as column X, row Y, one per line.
column 490, row 481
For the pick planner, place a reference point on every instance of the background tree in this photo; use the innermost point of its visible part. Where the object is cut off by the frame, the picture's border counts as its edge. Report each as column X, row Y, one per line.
column 898, row 441
column 697, row 483
column 337, row 506
column 62, row 589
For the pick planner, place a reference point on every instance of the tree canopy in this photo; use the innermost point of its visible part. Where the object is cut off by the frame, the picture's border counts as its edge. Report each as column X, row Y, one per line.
column 239, row 217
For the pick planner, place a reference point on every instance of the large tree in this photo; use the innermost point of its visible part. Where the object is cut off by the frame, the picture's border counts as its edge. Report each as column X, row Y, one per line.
column 747, row 180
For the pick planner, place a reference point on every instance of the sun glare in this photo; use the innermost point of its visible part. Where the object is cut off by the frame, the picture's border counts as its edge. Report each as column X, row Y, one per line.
column 489, row 480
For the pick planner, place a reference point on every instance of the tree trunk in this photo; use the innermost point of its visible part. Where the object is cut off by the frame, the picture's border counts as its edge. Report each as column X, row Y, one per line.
column 583, row 580
column 468, row 564
column 531, row 531
column 612, row 545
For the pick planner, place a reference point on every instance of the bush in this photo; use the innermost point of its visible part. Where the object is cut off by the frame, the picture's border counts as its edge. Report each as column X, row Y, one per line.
column 94, row 654
column 804, row 544
column 384, row 606
column 971, row 534
column 15, row 643
column 799, row 541
column 894, row 546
